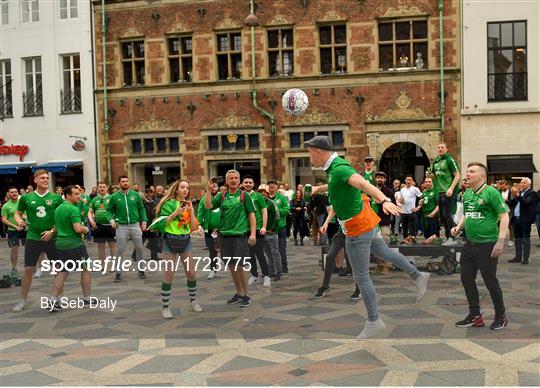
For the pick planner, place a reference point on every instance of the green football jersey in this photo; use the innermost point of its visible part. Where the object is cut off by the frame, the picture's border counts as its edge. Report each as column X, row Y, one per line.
column 39, row 211
column 65, row 216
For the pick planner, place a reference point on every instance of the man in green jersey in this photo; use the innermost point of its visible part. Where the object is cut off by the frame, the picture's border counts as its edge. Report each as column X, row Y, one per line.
column 129, row 219
column 271, row 244
column 256, row 252
column 429, row 207
column 15, row 233
column 284, row 210
column 70, row 232
column 483, row 210
column 446, row 178
column 84, row 206
column 39, row 207
column 237, row 221
column 359, row 224
column 99, row 217
column 209, row 221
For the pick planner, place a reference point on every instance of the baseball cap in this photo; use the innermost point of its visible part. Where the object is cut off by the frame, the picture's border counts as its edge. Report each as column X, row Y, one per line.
column 321, row 142
column 263, row 187
column 270, row 181
column 368, row 159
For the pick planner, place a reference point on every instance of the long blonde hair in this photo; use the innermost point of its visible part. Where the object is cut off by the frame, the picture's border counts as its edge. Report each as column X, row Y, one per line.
column 171, row 194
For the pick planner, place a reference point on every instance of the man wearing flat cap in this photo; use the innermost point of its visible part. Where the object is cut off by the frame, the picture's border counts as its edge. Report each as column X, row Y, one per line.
column 359, row 224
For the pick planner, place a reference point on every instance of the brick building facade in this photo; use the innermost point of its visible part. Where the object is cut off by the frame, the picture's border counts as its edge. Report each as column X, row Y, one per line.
column 179, row 83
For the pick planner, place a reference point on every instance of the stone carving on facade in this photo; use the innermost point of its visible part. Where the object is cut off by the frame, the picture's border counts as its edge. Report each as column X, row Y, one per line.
column 232, row 121
column 403, row 111
column 279, row 20
column 179, row 27
column 316, row 118
column 131, row 32
column 152, row 125
column 227, row 23
column 332, row 16
column 402, row 11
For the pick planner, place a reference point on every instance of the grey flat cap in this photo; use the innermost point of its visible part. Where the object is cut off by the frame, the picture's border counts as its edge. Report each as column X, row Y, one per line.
column 321, row 142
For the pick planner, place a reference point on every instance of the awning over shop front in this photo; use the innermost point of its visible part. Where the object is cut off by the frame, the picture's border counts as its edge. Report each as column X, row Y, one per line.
column 12, row 168
column 500, row 164
column 58, row 165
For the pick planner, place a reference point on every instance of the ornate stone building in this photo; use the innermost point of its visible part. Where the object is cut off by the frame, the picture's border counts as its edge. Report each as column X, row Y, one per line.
column 180, row 82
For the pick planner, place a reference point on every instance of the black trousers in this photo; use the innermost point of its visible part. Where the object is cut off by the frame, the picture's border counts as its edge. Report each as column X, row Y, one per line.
column 409, row 222
column 476, row 257
column 298, row 226
column 336, row 245
column 431, row 226
column 256, row 254
column 445, row 211
column 522, row 237
column 211, row 244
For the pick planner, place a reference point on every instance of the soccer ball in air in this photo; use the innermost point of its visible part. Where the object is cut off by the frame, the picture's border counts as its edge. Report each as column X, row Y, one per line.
column 294, row 102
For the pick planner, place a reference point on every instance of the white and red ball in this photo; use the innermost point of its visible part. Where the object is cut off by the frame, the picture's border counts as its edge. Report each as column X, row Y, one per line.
column 295, row 102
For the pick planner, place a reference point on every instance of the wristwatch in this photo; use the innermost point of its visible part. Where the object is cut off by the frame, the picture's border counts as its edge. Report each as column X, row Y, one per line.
column 387, row 200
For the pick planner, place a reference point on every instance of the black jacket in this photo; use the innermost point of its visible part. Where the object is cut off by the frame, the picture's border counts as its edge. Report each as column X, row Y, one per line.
column 386, row 218
column 527, row 207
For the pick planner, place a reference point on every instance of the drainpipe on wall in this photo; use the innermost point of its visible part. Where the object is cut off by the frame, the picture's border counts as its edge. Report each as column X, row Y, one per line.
column 105, row 112
column 96, row 142
column 441, row 49
column 269, row 116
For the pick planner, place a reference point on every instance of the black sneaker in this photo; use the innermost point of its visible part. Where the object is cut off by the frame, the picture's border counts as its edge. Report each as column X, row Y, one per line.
column 142, row 275
column 322, row 292
column 86, row 303
column 342, row 274
column 246, row 301
column 355, row 295
column 471, row 321
column 235, row 299
column 278, row 278
column 499, row 322
column 514, row 260
column 118, row 277
column 54, row 307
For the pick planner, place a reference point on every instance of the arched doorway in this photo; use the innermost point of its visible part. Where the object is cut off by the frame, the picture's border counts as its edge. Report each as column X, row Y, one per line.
column 404, row 158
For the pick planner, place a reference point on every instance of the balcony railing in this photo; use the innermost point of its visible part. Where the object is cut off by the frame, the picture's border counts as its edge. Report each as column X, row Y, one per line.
column 507, row 87
column 70, row 101
column 6, row 106
column 33, row 104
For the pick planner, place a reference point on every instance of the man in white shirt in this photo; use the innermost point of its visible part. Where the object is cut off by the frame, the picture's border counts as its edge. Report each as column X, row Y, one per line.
column 407, row 201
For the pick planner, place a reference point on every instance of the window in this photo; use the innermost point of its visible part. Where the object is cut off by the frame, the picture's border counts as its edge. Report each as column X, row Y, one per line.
column 148, row 146
column 280, row 53
column 133, row 62
column 5, row 12
column 180, row 59
column 403, row 43
column 136, row 146
column 225, row 145
column 174, row 146
column 333, row 48
column 213, row 143
column 308, row 136
column 295, row 140
column 229, row 55
column 68, row 9
column 253, row 142
column 240, row 143
column 6, row 102
column 161, row 143
column 337, row 139
column 33, row 93
column 507, row 61
column 70, row 95
column 30, row 11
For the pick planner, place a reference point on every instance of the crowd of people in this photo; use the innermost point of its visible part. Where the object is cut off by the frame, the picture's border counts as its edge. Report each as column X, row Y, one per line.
column 246, row 228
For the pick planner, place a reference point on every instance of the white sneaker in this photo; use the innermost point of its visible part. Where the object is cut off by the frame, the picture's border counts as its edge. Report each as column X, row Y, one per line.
column 449, row 243
column 211, row 275
column 252, row 279
column 510, row 243
column 371, row 329
column 20, row 306
column 38, row 273
column 266, row 282
column 421, row 285
column 166, row 313
column 195, row 307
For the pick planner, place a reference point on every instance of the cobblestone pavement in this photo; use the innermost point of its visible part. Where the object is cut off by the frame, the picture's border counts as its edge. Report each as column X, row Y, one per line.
column 285, row 337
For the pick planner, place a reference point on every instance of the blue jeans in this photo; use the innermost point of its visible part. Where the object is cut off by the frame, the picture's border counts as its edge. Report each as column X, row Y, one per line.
column 358, row 249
